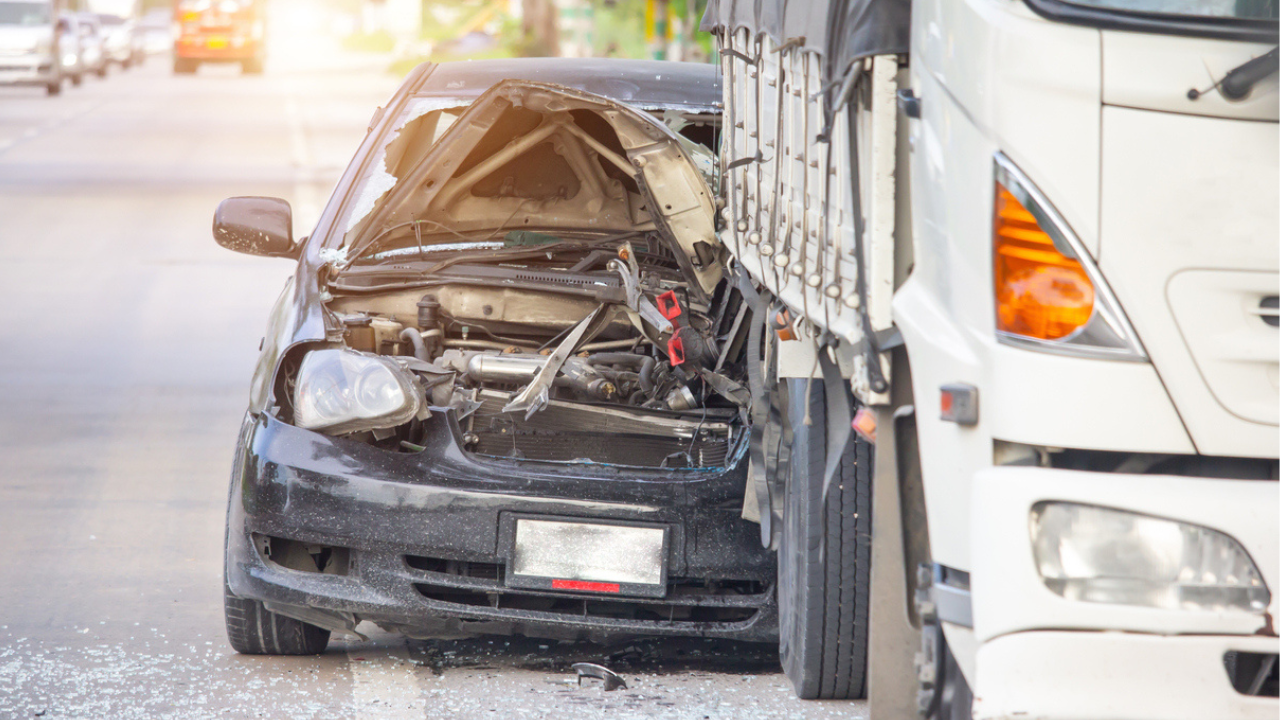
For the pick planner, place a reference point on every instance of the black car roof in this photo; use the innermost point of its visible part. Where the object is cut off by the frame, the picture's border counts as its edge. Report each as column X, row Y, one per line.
column 644, row 83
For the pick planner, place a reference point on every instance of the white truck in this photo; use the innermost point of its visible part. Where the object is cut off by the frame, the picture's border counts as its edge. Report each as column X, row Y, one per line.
column 1028, row 250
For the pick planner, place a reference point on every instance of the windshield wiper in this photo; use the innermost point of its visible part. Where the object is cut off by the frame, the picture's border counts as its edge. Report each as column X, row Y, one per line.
column 1237, row 83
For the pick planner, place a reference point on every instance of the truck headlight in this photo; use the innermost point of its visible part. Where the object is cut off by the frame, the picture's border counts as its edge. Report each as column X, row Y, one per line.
column 341, row 391
column 1049, row 295
column 1097, row 554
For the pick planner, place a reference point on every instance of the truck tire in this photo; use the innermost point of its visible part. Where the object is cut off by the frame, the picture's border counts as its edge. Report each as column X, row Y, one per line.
column 953, row 699
column 824, row 559
column 254, row 630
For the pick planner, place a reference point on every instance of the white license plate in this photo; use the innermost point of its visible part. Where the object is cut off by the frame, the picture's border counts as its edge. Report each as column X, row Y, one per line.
column 589, row 557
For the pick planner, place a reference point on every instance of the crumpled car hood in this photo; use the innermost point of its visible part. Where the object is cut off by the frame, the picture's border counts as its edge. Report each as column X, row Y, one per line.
column 537, row 156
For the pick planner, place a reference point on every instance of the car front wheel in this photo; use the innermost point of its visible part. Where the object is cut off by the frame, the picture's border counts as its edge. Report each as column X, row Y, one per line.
column 254, row 630
column 824, row 560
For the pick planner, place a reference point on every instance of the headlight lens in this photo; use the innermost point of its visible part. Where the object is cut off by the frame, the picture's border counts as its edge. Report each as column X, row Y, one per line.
column 340, row 391
column 1096, row 554
column 1049, row 296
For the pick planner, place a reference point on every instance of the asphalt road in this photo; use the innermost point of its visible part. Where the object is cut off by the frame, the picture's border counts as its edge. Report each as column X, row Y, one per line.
column 124, row 369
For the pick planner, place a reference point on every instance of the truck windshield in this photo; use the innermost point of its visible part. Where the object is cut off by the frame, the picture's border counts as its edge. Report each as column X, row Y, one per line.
column 1241, row 9
column 25, row 13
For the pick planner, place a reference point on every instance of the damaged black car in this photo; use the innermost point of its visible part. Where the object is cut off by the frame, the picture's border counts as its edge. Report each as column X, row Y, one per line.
column 506, row 389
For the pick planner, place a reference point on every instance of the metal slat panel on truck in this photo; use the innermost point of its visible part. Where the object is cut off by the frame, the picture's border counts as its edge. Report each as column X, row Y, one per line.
column 789, row 183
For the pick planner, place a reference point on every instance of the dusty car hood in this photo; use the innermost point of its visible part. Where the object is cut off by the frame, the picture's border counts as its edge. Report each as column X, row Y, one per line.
column 550, row 174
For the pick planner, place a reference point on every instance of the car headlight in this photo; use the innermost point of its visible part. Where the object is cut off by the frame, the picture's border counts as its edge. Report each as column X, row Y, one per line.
column 342, row 391
column 1097, row 554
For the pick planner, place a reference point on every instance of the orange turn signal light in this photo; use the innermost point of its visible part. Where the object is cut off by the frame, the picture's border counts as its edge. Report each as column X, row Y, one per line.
column 1040, row 293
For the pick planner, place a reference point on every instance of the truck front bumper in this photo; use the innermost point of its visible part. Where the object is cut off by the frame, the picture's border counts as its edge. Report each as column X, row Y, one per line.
column 1045, row 656
column 1110, row 675
column 223, row 48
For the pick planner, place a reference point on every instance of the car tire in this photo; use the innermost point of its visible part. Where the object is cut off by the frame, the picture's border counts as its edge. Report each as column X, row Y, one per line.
column 252, row 66
column 824, row 558
column 54, row 88
column 77, row 79
column 252, row 629
column 184, row 66
column 101, row 72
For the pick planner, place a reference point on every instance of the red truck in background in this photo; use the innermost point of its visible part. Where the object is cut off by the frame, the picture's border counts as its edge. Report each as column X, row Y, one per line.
column 219, row 31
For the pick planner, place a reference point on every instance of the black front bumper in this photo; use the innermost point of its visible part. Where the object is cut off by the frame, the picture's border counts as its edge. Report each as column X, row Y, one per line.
column 423, row 533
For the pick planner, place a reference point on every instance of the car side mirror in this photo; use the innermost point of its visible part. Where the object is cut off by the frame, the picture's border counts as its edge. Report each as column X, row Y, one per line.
column 255, row 226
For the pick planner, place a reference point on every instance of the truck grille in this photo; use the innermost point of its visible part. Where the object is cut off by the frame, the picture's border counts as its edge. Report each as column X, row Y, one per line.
column 1253, row 674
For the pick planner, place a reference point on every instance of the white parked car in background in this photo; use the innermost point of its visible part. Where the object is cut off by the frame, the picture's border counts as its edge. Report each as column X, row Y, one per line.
column 29, row 45
column 156, row 32
column 122, row 40
column 93, row 54
column 68, row 52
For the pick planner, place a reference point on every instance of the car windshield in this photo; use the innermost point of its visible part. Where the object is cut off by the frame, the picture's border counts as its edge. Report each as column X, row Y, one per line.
column 25, row 13
column 426, row 117
column 425, row 121
column 1240, row 9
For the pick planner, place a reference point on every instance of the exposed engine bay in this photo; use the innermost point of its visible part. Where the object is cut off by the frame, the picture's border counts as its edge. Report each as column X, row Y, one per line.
column 599, row 330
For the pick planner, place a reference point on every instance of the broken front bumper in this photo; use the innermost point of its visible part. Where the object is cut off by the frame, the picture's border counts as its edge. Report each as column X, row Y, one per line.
column 424, row 535
column 1045, row 656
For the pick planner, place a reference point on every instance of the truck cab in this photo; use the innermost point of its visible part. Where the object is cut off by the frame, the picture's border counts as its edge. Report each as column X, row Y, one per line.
column 1094, row 215
column 219, row 31
column 1037, row 239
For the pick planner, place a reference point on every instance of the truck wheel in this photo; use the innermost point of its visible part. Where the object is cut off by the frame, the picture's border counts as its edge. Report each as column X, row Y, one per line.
column 254, row 630
column 951, row 698
column 824, row 561
column 252, row 66
column 184, row 66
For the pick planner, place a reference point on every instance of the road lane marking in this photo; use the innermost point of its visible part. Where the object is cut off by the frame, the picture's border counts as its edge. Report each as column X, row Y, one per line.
column 383, row 683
